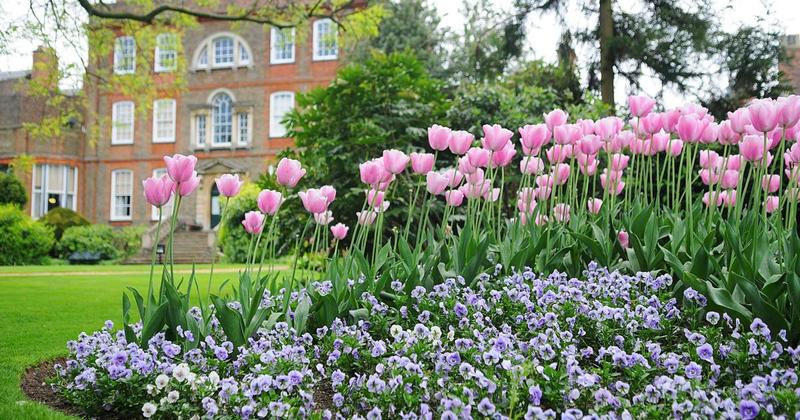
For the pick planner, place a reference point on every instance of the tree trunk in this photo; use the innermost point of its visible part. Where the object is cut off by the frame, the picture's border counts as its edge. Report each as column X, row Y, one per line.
column 606, row 55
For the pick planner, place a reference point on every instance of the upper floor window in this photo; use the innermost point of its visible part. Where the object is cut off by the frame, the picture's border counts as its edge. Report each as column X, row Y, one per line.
column 125, row 55
column 122, row 122
column 282, row 47
column 121, row 194
column 222, row 51
column 279, row 104
column 222, row 119
column 325, row 43
column 164, row 121
column 166, row 52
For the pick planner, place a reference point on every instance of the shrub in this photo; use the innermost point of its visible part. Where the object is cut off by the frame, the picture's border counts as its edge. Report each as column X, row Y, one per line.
column 61, row 218
column 128, row 240
column 92, row 238
column 12, row 191
column 23, row 240
column 232, row 237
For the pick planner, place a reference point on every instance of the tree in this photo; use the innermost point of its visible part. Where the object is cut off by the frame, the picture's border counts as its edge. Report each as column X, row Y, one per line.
column 12, row 191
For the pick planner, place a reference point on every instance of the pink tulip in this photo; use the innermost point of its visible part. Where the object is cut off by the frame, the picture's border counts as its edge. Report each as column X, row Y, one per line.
column 590, row 144
column 589, row 168
column 228, row 185
column 789, row 110
column 726, row 134
column 188, row 186
column 339, row 231
column 708, row 177
column 652, row 123
column 454, row 198
column 689, row 128
column 709, row 133
column 544, row 181
column 479, row 157
column 793, row 133
column 669, row 119
column 158, row 190
column 734, row 162
column 567, row 133
column 324, row 218
column 526, row 201
column 436, row 182
column 623, row 238
column 455, row 178
column 541, row 219
column 560, row 173
column 728, row 198
column 495, row 137
column 269, row 201
column 395, row 161
column 561, row 212
column 587, row 126
column 531, row 165
column 374, row 198
column 253, row 222
column 675, row 148
column 533, row 137
column 179, row 167
column 421, row 163
column 465, row 166
column 660, row 141
column 772, row 203
column 608, row 127
column 619, row 162
column 473, row 191
column 771, row 183
column 492, row 195
column 730, row 179
column 752, row 148
column 611, row 183
column 460, row 142
column 543, row 193
column 739, row 120
column 438, row 137
column 503, row 157
column 707, row 198
column 372, row 172
column 640, row 105
column 476, row 177
column 764, row 115
column 366, row 217
column 289, row 172
column 594, row 205
column 708, row 158
column 555, row 118
column 559, row 153
column 314, row 201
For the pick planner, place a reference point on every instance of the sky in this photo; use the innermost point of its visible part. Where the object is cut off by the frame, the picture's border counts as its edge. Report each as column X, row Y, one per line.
column 543, row 31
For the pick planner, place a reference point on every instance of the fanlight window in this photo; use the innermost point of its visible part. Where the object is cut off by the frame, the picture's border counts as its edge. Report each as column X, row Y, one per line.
column 222, row 51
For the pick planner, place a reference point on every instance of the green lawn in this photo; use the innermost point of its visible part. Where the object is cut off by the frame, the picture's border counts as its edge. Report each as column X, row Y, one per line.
column 40, row 312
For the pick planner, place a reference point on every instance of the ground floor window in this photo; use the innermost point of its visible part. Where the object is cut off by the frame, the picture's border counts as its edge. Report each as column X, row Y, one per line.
column 53, row 186
column 121, row 194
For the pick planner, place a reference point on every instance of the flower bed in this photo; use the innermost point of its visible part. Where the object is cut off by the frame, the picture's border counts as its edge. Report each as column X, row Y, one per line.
column 509, row 346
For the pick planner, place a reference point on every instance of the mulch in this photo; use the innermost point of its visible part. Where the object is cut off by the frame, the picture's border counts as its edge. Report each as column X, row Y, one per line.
column 34, row 386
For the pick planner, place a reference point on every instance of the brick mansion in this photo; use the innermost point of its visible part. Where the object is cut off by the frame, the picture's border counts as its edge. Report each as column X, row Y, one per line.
column 239, row 84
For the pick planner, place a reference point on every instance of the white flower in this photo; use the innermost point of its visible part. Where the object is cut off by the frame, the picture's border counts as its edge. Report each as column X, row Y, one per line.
column 162, row 381
column 451, row 335
column 194, row 417
column 173, row 396
column 148, row 409
column 395, row 330
column 436, row 332
column 213, row 377
column 151, row 390
column 181, row 372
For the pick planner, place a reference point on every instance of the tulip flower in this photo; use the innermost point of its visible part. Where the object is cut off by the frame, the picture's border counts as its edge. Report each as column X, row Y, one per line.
column 708, row 158
column 567, row 133
column 158, row 190
column 269, row 201
column 188, row 186
column 179, row 167
column 289, row 172
column 502, row 158
column 730, row 179
column 228, row 185
column 455, row 178
column 339, row 231
column 374, row 198
column 589, row 168
column 541, row 219
column 607, row 128
column 728, row 198
column 610, row 181
column 560, row 173
column 559, row 153
column 533, row 137
column 479, row 157
column 544, row 181
column 366, row 217
column 555, row 118
column 543, row 192
column 473, row 191
column 314, row 201
column 707, row 198
column 590, row 144
column 619, row 161
column 324, row 218
column 587, row 126
column 438, row 137
column 788, row 111
column 689, row 128
column 623, row 238
column 764, row 115
column 640, row 105
column 421, row 163
column 708, row 177
column 454, row 198
column 492, row 195
column 465, row 166
column 651, row 123
column 460, row 142
column 771, row 183
column 594, row 205
column 726, row 135
column 531, row 165
column 253, row 222
column 675, row 148
column 372, row 172
column 476, row 177
column 329, row 192
column 436, row 182
column 561, row 212
column 739, row 119
column 526, row 201
column 771, row 203
column 752, row 148
column 495, row 137
column 395, row 161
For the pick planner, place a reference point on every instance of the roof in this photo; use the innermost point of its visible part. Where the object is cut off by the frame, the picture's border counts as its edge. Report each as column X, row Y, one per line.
column 10, row 75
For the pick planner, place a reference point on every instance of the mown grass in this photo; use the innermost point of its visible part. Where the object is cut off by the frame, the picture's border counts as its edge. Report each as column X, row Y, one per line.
column 39, row 313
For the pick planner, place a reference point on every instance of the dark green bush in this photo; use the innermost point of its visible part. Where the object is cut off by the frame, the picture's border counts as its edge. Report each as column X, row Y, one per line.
column 92, row 238
column 11, row 190
column 24, row 241
column 61, row 218
column 128, row 240
column 232, row 237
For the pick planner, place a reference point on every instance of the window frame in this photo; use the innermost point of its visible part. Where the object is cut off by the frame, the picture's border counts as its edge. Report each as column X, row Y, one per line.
column 45, row 189
column 276, row 126
column 317, row 39
column 113, row 216
column 159, row 66
column 115, row 125
column 230, row 120
column 166, row 209
column 156, row 106
column 273, row 59
column 119, row 55
column 214, row 63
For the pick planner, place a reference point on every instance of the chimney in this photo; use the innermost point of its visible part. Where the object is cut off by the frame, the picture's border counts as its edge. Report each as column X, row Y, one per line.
column 45, row 65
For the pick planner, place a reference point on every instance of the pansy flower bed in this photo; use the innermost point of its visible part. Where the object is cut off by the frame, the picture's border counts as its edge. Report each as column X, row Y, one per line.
column 520, row 346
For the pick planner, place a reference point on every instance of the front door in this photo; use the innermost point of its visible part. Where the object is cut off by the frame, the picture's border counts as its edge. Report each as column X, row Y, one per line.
column 215, row 207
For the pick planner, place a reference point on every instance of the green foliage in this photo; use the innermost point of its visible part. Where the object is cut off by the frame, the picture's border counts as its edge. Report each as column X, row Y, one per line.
column 24, row 240
column 233, row 239
column 61, row 218
column 98, row 239
column 128, row 240
column 11, row 190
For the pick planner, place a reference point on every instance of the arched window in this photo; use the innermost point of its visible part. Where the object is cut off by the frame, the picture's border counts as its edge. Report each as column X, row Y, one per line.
column 222, row 50
column 222, row 118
